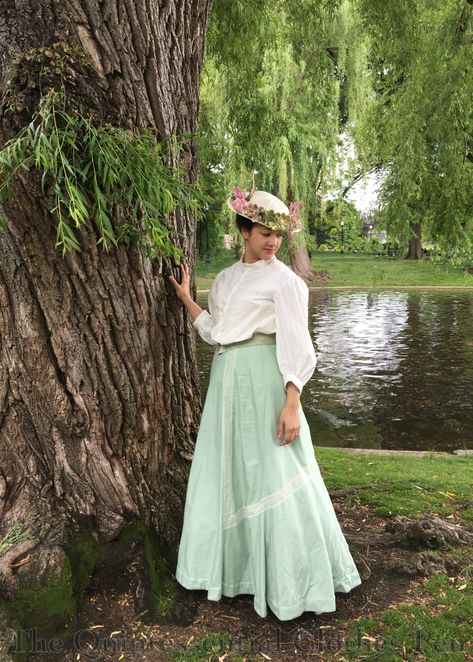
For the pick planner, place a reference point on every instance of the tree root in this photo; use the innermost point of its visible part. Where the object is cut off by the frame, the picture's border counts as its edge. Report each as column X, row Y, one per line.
column 336, row 494
column 428, row 531
column 421, row 563
column 406, row 537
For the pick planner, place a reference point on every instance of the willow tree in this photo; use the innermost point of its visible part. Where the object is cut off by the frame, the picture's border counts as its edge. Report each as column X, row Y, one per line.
column 271, row 98
column 418, row 125
column 98, row 382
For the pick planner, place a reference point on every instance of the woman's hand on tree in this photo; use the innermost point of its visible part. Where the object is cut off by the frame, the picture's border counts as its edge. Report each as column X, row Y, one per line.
column 184, row 294
column 289, row 424
column 182, row 288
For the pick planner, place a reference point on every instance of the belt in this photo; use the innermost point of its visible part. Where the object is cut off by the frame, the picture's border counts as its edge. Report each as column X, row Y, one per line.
column 256, row 339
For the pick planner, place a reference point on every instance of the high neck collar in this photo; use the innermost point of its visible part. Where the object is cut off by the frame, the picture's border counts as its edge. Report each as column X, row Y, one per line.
column 258, row 263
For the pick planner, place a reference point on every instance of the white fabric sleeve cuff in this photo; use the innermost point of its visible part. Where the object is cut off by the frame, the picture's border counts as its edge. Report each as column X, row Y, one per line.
column 204, row 323
column 295, row 380
column 201, row 320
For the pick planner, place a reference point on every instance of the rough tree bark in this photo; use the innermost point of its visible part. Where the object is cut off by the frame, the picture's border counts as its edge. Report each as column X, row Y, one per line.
column 98, row 381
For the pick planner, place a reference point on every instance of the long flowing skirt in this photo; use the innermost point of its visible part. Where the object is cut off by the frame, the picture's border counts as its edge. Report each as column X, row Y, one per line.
column 258, row 518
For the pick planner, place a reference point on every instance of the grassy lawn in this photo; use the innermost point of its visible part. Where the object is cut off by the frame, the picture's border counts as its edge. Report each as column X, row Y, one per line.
column 434, row 624
column 433, row 619
column 358, row 270
column 374, row 271
column 405, row 485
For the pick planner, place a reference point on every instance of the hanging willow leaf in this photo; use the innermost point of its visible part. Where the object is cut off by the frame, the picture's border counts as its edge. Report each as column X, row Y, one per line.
column 91, row 169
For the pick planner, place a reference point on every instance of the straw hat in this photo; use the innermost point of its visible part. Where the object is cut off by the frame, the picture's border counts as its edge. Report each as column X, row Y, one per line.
column 266, row 209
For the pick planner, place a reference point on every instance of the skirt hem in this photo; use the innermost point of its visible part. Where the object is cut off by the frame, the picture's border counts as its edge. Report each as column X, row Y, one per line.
column 282, row 613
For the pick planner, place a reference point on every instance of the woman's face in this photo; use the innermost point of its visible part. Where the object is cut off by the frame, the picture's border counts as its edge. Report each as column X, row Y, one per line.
column 261, row 243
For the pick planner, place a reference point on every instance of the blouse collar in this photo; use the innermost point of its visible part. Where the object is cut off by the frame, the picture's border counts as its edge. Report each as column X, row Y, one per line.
column 257, row 264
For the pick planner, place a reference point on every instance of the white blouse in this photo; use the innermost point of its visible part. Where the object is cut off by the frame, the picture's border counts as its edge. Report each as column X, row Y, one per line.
column 266, row 297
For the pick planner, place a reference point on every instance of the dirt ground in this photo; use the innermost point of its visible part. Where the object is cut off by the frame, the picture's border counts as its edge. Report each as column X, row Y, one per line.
column 114, row 623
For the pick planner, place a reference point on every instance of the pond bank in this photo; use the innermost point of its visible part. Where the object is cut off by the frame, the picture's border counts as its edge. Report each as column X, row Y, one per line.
column 377, row 287
column 390, row 287
column 382, row 451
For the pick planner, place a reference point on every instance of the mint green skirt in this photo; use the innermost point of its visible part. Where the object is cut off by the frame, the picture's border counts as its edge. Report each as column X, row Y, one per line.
column 258, row 518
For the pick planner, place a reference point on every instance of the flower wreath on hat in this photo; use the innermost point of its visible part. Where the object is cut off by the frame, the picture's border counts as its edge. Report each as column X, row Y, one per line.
column 285, row 220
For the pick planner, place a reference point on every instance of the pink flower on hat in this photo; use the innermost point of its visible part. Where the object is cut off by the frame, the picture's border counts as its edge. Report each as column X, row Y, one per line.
column 239, row 200
column 240, row 193
column 238, row 205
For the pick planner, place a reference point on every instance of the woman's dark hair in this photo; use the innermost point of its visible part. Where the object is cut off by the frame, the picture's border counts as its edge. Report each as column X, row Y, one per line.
column 243, row 222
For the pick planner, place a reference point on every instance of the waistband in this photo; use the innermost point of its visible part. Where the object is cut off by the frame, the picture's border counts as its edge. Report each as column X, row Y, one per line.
column 256, row 339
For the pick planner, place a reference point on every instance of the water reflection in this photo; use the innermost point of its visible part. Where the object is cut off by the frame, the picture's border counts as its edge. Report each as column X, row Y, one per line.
column 395, row 369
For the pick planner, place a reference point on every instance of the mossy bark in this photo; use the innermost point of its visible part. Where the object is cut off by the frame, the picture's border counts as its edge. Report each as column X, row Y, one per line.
column 46, row 598
column 99, row 393
column 165, row 599
column 45, row 609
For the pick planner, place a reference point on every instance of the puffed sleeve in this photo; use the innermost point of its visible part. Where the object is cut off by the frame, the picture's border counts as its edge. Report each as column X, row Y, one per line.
column 294, row 349
column 204, row 322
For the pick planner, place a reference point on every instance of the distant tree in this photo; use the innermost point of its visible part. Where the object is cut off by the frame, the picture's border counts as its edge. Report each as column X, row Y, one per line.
column 418, row 123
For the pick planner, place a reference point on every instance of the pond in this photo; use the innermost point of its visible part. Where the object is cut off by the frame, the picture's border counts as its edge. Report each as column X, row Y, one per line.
column 394, row 371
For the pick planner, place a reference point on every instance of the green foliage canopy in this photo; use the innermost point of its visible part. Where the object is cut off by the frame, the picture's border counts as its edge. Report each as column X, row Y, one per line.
column 418, row 124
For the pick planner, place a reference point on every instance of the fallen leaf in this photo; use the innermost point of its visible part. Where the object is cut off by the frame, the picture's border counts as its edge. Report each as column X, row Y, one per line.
column 22, row 562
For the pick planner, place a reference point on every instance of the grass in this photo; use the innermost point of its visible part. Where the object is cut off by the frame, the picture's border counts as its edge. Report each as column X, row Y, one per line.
column 359, row 270
column 212, row 647
column 405, row 485
column 206, row 271
column 374, row 271
column 14, row 536
column 435, row 624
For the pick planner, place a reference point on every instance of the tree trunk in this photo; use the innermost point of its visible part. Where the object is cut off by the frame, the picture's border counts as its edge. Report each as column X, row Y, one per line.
column 415, row 246
column 98, row 380
column 300, row 260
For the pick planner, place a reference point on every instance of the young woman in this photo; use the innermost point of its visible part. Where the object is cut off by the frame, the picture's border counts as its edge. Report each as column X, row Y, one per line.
column 258, row 518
